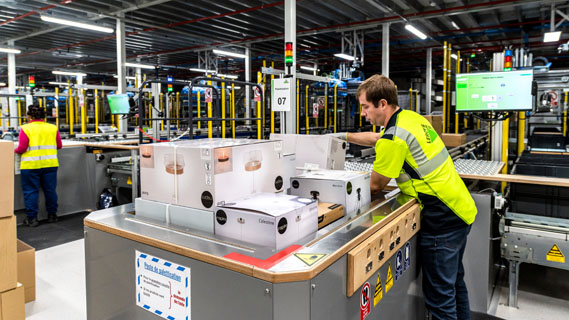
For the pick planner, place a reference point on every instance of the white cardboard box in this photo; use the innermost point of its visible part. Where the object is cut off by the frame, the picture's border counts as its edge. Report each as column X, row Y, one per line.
column 327, row 152
column 174, row 215
column 203, row 173
column 348, row 188
column 268, row 219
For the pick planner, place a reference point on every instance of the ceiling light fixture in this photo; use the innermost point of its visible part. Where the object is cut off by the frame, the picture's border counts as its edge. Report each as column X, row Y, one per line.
column 2, row 84
column 228, row 76
column 58, row 83
column 68, row 73
column 77, row 24
column 127, row 77
column 10, row 50
column 552, row 36
column 453, row 56
column 344, row 56
column 416, row 31
column 138, row 65
column 308, row 68
column 454, row 25
column 229, row 53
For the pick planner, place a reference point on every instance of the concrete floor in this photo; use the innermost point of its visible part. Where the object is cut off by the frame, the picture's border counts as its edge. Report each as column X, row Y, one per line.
column 60, row 281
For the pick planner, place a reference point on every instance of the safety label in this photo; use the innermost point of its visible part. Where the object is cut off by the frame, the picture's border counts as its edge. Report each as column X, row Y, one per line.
column 555, row 254
column 163, row 287
column 407, row 256
column 280, row 94
column 310, row 258
column 365, row 303
column 208, row 95
column 389, row 279
column 398, row 265
column 378, row 294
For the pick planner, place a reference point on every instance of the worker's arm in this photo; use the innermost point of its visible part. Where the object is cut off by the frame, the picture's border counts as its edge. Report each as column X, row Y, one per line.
column 58, row 141
column 23, row 143
column 363, row 138
column 377, row 182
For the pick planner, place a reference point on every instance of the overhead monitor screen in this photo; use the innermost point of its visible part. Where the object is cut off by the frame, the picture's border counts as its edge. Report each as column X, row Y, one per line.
column 494, row 91
column 118, row 103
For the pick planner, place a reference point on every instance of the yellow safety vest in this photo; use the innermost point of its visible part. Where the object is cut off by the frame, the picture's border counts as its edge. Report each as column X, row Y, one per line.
column 428, row 171
column 42, row 147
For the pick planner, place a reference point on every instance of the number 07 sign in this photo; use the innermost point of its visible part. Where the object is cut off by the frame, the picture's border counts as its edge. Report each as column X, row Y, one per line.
column 280, row 94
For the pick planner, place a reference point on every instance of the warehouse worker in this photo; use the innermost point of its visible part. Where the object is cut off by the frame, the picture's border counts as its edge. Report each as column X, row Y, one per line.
column 38, row 144
column 409, row 150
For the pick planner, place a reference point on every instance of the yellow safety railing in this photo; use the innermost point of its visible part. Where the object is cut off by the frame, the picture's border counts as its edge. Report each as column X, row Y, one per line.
column 233, row 110
column 178, row 110
column 96, row 97
column 297, row 106
column 83, row 114
column 259, row 111
column 456, row 115
column 161, row 110
column 505, row 138
column 306, row 111
column 209, row 114
column 326, row 108
column 335, row 107
column 449, row 89
column 272, row 112
column 223, row 109
column 444, row 86
column 199, row 109
column 521, row 132
column 71, row 111
column 565, row 115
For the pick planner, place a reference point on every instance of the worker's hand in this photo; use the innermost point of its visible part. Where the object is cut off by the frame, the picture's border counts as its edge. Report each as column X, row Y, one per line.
column 339, row 135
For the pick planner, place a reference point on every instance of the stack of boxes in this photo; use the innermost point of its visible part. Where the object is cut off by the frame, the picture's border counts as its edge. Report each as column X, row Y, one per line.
column 11, row 292
column 184, row 183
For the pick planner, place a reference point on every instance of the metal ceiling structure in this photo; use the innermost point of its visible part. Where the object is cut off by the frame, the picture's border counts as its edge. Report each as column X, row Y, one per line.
column 172, row 33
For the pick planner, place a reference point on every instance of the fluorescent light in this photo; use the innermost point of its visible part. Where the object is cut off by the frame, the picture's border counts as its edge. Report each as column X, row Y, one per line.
column 66, row 73
column 453, row 56
column 344, row 56
column 58, row 83
column 2, row 84
column 138, row 65
column 127, row 77
column 229, row 53
column 415, row 31
column 77, row 24
column 228, row 76
column 454, row 25
column 202, row 70
column 308, row 68
column 10, row 50
column 551, row 36
column 236, row 87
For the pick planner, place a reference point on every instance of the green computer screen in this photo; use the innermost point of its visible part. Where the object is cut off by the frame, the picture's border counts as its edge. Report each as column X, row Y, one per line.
column 494, row 91
column 118, row 103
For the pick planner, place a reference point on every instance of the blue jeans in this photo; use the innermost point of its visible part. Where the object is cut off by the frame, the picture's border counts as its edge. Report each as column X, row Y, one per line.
column 446, row 296
column 32, row 180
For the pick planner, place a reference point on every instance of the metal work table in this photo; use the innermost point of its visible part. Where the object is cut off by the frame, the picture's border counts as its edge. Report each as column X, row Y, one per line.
column 233, row 280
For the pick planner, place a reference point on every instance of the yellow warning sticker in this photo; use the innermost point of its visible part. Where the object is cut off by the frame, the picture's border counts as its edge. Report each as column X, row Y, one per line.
column 555, row 254
column 389, row 280
column 378, row 294
column 310, row 258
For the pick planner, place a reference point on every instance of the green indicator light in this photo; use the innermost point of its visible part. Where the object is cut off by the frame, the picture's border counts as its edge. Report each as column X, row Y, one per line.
column 473, row 55
column 288, row 59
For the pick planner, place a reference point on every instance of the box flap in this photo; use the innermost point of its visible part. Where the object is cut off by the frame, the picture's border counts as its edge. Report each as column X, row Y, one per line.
column 272, row 204
column 337, row 175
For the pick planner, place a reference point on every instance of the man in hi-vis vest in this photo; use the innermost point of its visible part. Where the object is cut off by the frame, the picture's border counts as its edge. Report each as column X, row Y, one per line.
column 409, row 150
column 38, row 144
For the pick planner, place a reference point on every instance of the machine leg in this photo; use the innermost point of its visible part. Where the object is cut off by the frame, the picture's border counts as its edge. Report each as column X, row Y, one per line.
column 134, row 174
column 514, row 270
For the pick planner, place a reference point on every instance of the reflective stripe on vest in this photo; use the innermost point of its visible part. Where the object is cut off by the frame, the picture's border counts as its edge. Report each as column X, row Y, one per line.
column 39, row 158
column 42, row 148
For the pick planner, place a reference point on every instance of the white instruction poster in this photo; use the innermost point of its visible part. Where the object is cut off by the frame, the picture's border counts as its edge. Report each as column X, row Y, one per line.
column 163, row 287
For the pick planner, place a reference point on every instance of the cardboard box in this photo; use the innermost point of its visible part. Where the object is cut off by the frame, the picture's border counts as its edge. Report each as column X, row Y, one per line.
column 327, row 152
column 7, row 178
column 453, row 140
column 174, row 215
column 27, row 270
column 328, row 213
column 289, row 170
column 437, row 122
column 272, row 220
column 8, row 254
column 203, row 173
column 12, row 305
column 348, row 188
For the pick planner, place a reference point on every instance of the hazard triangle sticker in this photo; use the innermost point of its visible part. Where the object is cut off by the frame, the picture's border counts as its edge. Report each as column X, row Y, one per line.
column 555, row 254
column 310, row 258
column 389, row 280
column 378, row 294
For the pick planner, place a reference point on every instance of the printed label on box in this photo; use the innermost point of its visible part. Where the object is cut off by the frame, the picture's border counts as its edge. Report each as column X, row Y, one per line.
column 163, row 287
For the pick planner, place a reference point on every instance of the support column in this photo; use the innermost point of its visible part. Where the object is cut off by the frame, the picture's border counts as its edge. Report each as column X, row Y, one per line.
column 121, row 70
column 514, row 271
column 385, row 50
column 429, row 80
column 12, row 109
column 289, row 125
column 248, row 88
column 138, row 76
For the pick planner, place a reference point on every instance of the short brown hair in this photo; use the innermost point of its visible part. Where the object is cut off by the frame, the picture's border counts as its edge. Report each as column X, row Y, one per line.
column 378, row 87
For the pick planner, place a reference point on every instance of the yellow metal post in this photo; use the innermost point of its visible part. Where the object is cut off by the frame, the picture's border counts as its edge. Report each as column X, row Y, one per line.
column 199, row 110
column 71, row 111
column 209, row 114
column 505, row 138
column 565, row 115
column 360, row 114
column 272, row 112
column 335, row 107
column 223, row 109
column 20, row 111
column 521, row 132
column 178, row 110
column 264, row 85
column 232, row 101
column 467, row 65
column 96, row 111
column 297, row 106
column 306, row 111
column 411, row 99
column 326, row 108
column 449, row 89
column 445, row 87
column 161, row 110
column 150, row 122
column 456, row 117
column 83, row 116
column 259, row 111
